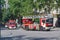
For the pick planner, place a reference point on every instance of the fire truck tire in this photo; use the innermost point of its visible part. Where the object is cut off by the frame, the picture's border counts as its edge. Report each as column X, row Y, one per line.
column 27, row 28
column 41, row 28
column 48, row 30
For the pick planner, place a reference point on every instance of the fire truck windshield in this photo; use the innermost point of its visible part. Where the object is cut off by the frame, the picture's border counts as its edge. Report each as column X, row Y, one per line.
column 50, row 20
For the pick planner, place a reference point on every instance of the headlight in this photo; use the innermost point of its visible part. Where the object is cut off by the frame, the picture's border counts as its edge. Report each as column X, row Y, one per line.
column 15, row 27
column 10, row 27
column 6, row 26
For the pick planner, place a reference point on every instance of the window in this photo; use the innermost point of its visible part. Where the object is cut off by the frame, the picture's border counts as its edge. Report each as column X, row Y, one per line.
column 49, row 20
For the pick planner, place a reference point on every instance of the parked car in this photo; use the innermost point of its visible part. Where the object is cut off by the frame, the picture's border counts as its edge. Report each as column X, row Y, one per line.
column 11, row 24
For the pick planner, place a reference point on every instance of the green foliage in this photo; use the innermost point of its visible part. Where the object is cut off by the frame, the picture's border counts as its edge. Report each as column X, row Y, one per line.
column 2, row 2
column 21, row 7
column 25, row 7
column 36, row 20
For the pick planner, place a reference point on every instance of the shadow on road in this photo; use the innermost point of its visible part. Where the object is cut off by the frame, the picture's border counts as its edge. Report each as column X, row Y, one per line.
column 12, row 38
column 52, row 38
column 22, row 37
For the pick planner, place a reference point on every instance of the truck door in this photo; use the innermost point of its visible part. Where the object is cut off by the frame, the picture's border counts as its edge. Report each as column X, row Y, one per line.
column 43, row 22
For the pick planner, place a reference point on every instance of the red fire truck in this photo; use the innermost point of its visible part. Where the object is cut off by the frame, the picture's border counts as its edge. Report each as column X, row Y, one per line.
column 44, row 24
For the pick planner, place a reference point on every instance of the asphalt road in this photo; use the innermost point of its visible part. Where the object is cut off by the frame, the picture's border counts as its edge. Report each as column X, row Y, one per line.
column 20, row 34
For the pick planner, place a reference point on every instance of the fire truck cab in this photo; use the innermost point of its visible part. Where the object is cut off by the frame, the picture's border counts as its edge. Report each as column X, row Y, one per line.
column 46, row 23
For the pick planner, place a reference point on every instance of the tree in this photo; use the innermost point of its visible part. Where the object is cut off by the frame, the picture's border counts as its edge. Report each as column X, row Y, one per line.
column 57, row 5
column 47, row 5
column 21, row 7
column 2, row 2
column 25, row 7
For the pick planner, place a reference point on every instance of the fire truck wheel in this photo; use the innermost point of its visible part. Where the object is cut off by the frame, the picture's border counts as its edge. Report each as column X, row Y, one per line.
column 41, row 28
column 27, row 28
column 48, row 30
